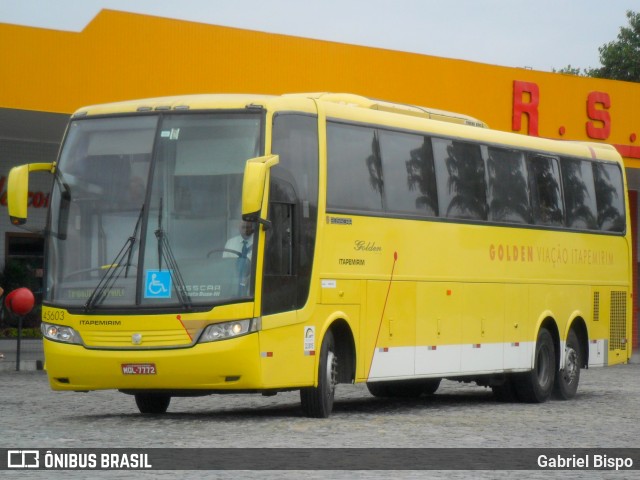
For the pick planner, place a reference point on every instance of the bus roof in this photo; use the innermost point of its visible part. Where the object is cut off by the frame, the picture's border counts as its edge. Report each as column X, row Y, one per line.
column 350, row 99
column 362, row 109
column 188, row 102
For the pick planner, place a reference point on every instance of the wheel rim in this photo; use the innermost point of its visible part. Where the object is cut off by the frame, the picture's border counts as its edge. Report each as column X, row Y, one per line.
column 332, row 373
column 570, row 365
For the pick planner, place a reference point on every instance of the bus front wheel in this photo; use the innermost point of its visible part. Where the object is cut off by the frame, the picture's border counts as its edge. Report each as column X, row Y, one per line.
column 317, row 402
column 152, row 403
column 536, row 386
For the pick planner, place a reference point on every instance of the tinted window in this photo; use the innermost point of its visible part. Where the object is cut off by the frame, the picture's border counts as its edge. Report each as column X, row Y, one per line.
column 460, row 178
column 354, row 168
column 579, row 193
column 507, row 189
column 546, row 199
column 609, row 196
column 295, row 140
column 409, row 175
column 293, row 211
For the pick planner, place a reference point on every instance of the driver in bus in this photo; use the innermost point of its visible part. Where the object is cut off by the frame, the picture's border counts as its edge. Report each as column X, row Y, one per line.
column 241, row 245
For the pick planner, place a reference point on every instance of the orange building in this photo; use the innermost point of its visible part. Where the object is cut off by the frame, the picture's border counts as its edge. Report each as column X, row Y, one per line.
column 47, row 74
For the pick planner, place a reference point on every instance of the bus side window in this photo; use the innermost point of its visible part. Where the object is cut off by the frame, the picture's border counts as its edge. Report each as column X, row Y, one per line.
column 461, row 181
column 544, row 183
column 409, row 175
column 507, row 189
column 579, row 193
column 354, row 170
column 609, row 196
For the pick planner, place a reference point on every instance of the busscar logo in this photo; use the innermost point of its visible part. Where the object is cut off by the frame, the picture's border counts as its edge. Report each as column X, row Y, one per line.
column 339, row 220
column 23, row 459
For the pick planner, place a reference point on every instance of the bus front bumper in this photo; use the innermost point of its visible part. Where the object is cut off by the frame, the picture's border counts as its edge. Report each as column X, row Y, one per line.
column 232, row 364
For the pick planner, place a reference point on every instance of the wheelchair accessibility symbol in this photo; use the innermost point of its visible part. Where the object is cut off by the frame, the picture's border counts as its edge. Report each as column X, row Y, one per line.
column 157, row 284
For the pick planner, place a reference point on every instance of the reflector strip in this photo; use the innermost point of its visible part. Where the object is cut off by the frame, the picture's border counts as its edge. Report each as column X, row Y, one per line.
column 515, row 344
column 477, row 345
column 310, row 353
column 383, row 349
column 432, row 347
column 266, row 354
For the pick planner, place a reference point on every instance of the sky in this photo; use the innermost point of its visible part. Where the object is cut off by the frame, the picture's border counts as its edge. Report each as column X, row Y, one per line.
column 541, row 35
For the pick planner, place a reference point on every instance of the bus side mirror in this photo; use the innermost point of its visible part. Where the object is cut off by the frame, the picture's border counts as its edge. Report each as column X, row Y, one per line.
column 18, row 189
column 254, row 184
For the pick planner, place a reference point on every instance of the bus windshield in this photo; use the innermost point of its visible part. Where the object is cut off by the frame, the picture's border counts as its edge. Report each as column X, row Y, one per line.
column 146, row 212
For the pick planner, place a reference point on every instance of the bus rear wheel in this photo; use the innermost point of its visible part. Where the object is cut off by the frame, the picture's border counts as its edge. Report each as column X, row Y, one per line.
column 568, row 377
column 152, row 403
column 317, row 402
column 536, row 386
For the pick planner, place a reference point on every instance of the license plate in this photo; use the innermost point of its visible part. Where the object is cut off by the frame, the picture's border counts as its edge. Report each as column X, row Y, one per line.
column 139, row 368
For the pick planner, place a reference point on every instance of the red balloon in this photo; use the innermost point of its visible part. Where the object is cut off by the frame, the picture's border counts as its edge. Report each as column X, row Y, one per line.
column 20, row 301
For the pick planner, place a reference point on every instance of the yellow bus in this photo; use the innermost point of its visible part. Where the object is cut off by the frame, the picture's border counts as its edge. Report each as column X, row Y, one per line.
column 260, row 244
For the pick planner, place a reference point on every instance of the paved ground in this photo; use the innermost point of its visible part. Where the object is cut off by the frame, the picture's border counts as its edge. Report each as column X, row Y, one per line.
column 605, row 414
column 31, row 355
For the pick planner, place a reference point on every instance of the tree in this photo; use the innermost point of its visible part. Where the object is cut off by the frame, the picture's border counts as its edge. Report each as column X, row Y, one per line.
column 620, row 59
column 569, row 70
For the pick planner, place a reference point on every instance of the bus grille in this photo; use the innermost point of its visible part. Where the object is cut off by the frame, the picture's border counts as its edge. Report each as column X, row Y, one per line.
column 617, row 325
column 150, row 338
column 596, row 306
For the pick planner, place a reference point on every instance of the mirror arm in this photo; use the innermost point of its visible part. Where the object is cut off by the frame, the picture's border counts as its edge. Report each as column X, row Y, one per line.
column 266, row 224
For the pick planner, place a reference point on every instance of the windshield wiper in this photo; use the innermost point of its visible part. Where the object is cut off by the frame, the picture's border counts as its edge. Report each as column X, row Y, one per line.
column 165, row 253
column 114, row 269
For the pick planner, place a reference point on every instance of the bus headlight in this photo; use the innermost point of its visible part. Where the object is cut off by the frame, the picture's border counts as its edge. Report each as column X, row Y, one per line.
column 225, row 330
column 60, row 333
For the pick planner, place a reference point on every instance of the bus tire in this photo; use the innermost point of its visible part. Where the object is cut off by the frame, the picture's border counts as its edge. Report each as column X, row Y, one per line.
column 429, row 387
column 317, row 402
column 536, row 386
column 152, row 403
column 568, row 377
column 379, row 389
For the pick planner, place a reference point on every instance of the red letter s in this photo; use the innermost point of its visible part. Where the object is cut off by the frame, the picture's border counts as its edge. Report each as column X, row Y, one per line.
column 600, row 115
